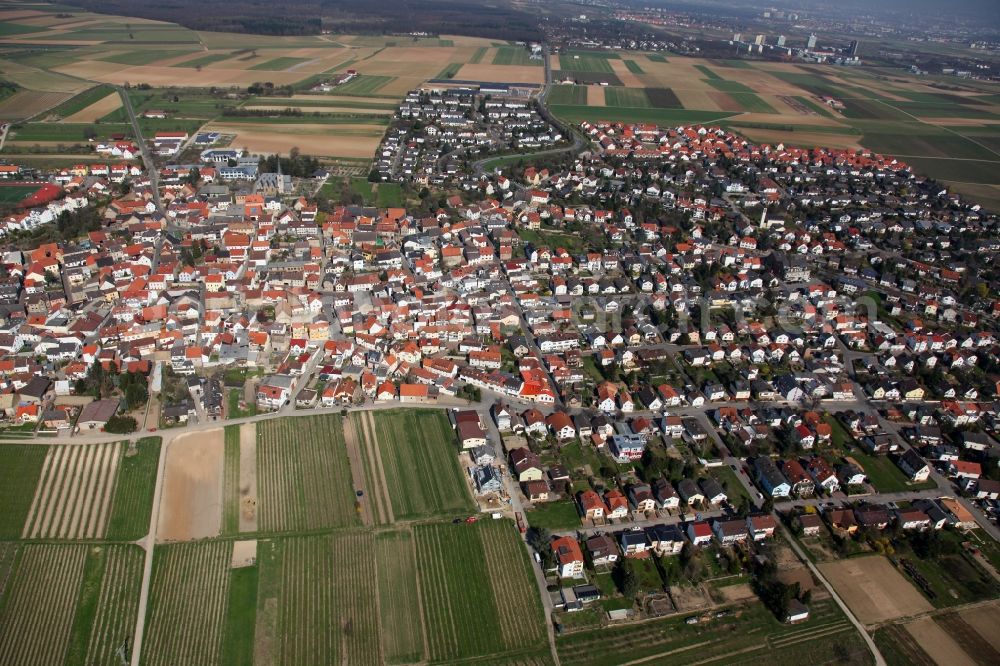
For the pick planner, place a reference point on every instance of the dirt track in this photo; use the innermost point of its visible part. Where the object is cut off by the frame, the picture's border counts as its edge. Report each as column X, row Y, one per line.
column 358, row 471
column 374, row 453
column 248, row 477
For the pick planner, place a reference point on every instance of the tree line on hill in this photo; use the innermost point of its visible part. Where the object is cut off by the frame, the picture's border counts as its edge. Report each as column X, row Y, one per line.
column 310, row 17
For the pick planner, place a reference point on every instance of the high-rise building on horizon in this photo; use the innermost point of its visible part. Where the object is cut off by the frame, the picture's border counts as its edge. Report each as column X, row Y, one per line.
column 811, row 42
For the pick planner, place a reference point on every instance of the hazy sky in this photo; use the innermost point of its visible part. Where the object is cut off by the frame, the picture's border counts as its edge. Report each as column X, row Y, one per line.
column 987, row 11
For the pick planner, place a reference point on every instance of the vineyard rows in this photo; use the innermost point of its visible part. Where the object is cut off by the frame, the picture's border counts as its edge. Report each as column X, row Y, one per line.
column 462, row 620
column 303, row 475
column 37, row 612
column 326, row 600
column 117, row 592
column 73, row 495
column 399, row 599
column 522, row 620
column 189, row 592
column 420, row 462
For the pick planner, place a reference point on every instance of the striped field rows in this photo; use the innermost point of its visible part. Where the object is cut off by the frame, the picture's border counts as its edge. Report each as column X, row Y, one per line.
column 190, row 588
column 36, row 618
column 73, row 496
column 303, row 475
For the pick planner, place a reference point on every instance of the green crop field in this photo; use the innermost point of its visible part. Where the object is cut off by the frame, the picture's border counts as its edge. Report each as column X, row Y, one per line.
column 568, row 94
column 363, row 85
column 304, row 480
column 420, row 439
column 279, row 64
column 818, row 109
column 479, row 598
column 663, row 98
column 751, row 102
column 204, row 60
column 584, row 63
column 82, row 101
column 143, row 56
column 65, row 131
column 514, row 55
column 241, row 614
column 450, row 71
column 634, row 67
column 626, row 97
column 7, row 29
column 728, row 86
column 477, row 57
column 707, row 72
column 657, row 57
column 69, row 604
column 317, row 600
column 133, row 497
column 20, row 469
column 187, row 608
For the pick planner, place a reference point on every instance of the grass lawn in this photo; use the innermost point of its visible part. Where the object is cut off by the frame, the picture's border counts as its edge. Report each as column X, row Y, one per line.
column 730, row 483
column 389, row 195
column 554, row 516
column 133, row 498
column 584, row 62
column 234, row 411
column 241, row 613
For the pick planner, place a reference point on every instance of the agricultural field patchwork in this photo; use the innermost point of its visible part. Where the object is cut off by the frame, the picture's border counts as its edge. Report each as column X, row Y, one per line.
column 950, row 135
column 72, row 603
